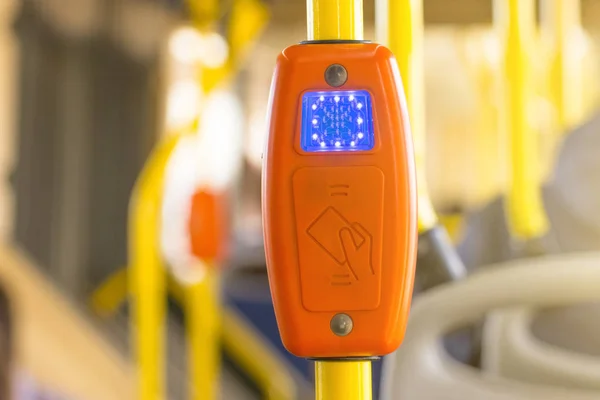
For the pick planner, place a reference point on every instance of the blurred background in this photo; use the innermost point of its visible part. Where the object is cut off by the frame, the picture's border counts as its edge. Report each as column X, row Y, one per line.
column 89, row 87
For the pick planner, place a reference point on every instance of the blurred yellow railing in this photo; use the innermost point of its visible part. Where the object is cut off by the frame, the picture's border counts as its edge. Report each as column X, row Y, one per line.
column 345, row 380
column 515, row 22
column 339, row 20
column 561, row 26
column 400, row 27
column 241, row 341
column 147, row 277
column 147, row 273
column 203, row 314
column 334, row 19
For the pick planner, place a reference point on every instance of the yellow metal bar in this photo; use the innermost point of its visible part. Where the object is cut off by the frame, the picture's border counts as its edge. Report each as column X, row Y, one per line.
column 453, row 223
column 339, row 20
column 258, row 359
column 515, row 21
column 147, row 273
column 109, row 296
column 334, row 19
column 113, row 292
column 204, row 12
column 561, row 25
column 348, row 380
column 248, row 19
column 246, row 347
column 400, row 27
column 202, row 315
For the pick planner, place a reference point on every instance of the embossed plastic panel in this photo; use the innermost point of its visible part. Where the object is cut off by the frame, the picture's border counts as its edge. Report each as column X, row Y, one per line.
column 347, row 267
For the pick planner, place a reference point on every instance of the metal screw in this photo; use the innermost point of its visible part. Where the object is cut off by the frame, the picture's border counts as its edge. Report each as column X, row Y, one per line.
column 336, row 75
column 341, row 324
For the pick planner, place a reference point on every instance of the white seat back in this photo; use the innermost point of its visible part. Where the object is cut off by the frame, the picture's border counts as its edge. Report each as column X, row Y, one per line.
column 423, row 369
column 511, row 350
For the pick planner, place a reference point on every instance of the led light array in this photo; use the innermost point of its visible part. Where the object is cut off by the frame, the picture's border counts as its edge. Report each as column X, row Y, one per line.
column 337, row 121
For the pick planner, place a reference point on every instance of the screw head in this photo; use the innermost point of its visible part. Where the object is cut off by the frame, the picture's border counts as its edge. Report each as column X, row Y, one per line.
column 341, row 324
column 336, row 75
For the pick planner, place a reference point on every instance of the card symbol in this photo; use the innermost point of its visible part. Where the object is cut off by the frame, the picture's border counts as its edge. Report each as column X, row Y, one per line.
column 346, row 243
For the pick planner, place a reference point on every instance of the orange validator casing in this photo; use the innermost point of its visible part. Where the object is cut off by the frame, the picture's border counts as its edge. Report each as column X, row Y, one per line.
column 339, row 201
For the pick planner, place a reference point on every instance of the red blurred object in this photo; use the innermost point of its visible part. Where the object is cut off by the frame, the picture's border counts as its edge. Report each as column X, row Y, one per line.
column 209, row 225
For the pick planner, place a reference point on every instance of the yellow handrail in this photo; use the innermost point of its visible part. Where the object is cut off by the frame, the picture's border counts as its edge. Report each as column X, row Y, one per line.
column 515, row 21
column 247, row 349
column 339, row 20
column 110, row 294
column 247, row 20
column 334, row 19
column 400, row 27
column 203, row 333
column 205, row 13
column 244, row 345
column 258, row 358
column 147, row 273
column 561, row 24
column 343, row 380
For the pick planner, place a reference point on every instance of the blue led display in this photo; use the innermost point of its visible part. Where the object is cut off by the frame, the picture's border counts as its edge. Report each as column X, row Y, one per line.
column 337, row 121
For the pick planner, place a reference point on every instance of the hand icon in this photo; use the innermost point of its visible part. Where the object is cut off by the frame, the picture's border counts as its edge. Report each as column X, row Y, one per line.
column 358, row 257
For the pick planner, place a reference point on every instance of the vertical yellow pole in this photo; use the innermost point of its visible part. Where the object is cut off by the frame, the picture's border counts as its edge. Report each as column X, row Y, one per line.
column 204, row 12
column 147, row 274
column 202, row 302
column 515, row 21
column 203, row 335
column 400, row 27
column 335, row 19
column 561, row 24
column 339, row 20
column 202, row 308
column 255, row 356
column 348, row 380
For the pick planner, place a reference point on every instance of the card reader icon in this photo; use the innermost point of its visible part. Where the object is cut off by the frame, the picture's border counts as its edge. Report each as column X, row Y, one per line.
column 339, row 220
column 325, row 231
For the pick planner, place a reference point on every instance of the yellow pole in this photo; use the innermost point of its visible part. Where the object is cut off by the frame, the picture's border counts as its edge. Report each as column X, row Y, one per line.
column 400, row 27
column 339, row 20
column 203, row 310
column 255, row 356
column 201, row 300
column 204, row 12
column 515, row 21
column 246, row 347
column 335, row 19
column 247, row 19
column 348, row 380
column 561, row 24
column 203, row 331
column 147, row 274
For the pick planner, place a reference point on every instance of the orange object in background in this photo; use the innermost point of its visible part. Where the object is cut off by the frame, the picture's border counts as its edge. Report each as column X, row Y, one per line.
column 339, row 200
column 209, row 225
